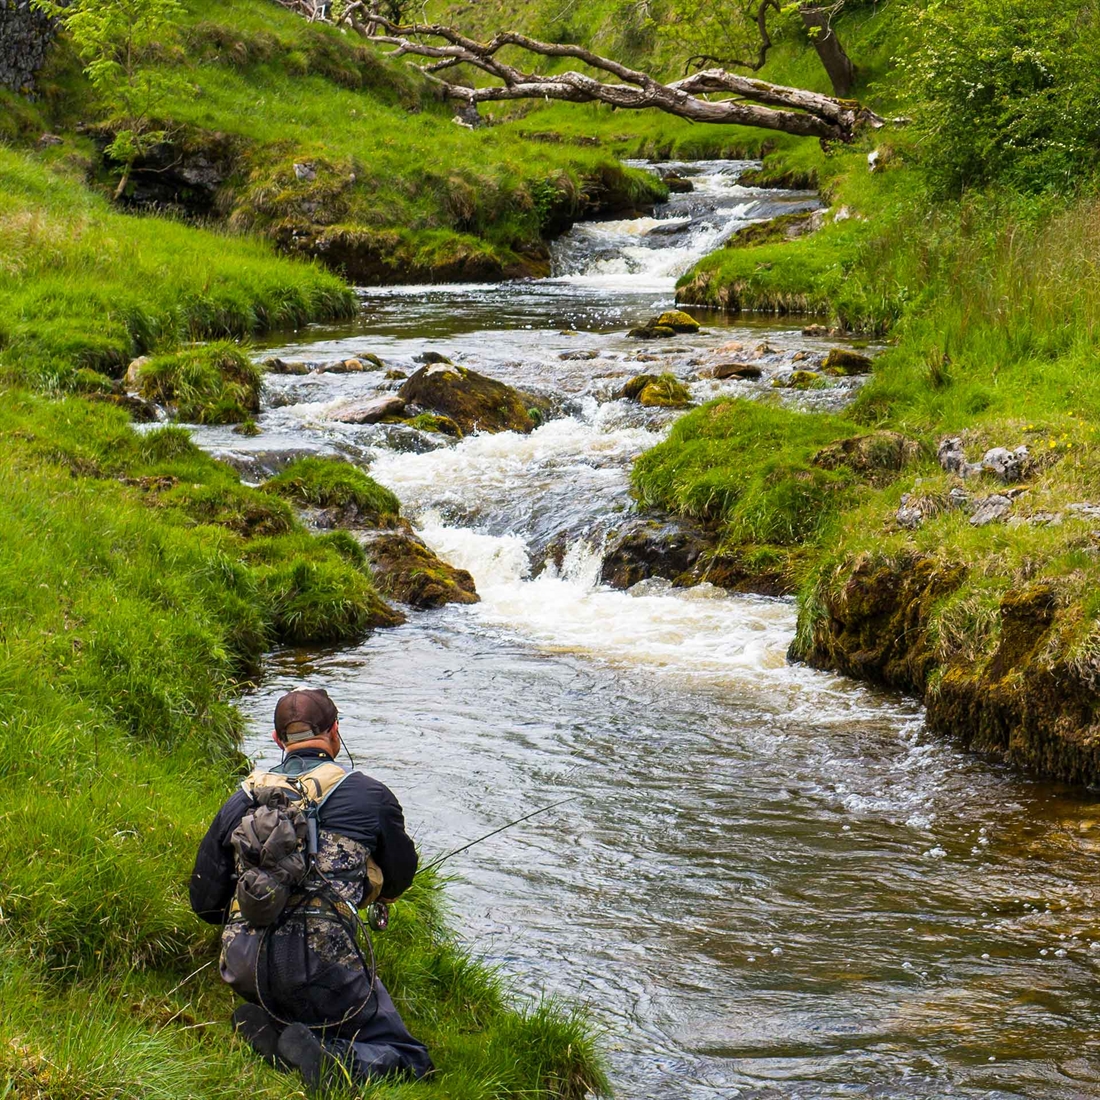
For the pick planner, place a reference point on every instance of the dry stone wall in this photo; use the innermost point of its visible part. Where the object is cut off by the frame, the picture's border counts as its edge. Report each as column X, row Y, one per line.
column 25, row 36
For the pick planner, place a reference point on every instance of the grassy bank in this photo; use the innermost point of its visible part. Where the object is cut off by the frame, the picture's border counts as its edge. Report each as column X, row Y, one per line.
column 84, row 288
column 989, row 297
column 139, row 584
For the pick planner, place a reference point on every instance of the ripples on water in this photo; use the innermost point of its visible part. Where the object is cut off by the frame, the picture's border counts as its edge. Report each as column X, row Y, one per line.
column 772, row 882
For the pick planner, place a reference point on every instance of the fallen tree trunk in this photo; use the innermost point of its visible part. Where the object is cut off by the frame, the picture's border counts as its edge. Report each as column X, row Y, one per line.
column 744, row 101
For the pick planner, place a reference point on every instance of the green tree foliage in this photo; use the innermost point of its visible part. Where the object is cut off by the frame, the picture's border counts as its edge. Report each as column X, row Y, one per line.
column 118, row 40
column 1003, row 91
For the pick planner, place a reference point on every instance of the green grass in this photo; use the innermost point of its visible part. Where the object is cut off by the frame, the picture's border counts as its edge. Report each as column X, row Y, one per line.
column 334, row 483
column 139, row 582
column 84, row 286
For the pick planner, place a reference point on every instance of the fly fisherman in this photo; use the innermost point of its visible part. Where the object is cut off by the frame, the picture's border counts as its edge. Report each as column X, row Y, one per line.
column 285, row 866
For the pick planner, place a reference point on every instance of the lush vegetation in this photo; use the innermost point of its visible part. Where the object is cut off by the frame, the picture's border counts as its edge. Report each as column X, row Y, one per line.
column 139, row 584
column 971, row 247
column 85, row 288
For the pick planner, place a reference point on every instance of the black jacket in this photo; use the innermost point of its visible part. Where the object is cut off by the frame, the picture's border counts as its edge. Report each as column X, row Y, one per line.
column 361, row 808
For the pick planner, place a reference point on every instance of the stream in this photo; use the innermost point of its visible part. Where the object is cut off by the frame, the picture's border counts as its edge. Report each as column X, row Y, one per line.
column 771, row 882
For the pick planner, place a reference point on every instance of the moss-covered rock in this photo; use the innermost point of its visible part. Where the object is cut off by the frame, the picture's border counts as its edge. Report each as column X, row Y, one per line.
column 843, row 362
column 444, row 425
column 412, row 573
column 665, row 392
column 878, row 456
column 213, row 383
column 798, row 380
column 1025, row 696
column 471, row 400
column 677, row 320
column 652, row 332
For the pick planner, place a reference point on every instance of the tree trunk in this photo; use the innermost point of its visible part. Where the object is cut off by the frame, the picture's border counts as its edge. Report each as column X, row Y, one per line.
column 842, row 73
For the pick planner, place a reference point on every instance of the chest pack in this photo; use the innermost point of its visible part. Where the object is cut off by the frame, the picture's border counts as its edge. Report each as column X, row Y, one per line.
column 275, row 843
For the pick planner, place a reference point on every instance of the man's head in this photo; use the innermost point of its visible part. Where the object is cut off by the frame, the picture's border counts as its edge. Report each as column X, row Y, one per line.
column 307, row 718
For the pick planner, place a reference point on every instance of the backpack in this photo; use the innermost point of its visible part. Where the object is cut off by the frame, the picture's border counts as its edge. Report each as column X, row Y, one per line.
column 277, row 837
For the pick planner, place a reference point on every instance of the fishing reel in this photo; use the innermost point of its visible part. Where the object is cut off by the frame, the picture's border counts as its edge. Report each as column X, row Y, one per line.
column 378, row 916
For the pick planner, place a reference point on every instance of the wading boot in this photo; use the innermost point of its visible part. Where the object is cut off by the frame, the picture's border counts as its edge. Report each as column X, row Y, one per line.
column 261, row 1031
column 301, row 1048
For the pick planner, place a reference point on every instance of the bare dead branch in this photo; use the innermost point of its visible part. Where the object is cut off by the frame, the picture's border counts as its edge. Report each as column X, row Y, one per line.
column 747, row 101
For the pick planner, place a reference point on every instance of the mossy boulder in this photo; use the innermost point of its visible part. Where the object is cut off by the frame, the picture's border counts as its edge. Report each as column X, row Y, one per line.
column 632, row 390
column 471, row 400
column 677, row 320
column 656, row 391
column 665, row 392
column 213, row 383
column 444, row 425
column 341, row 489
column 842, row 362
column 411, row 572
column 651, row 332
column 798, row 380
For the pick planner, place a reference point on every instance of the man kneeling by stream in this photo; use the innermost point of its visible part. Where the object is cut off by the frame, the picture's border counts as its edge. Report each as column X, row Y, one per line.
column 285, row 866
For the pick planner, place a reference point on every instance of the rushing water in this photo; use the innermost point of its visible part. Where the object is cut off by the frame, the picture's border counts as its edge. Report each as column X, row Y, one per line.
column 771, row 882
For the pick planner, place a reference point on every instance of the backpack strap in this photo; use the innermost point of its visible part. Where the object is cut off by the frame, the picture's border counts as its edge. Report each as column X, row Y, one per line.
column 318, row 783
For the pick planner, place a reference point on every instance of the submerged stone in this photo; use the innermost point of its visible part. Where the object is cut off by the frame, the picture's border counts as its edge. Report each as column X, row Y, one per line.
column 369, row 412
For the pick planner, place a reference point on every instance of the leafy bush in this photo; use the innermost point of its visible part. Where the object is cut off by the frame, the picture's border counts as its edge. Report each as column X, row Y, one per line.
column 1003, row 91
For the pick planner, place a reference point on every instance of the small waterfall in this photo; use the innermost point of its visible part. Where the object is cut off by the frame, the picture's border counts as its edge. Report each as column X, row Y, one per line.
column 651, row 253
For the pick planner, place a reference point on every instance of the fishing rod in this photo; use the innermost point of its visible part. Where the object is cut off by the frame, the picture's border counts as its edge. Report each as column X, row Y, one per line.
column 518, row 821
column 378, row 915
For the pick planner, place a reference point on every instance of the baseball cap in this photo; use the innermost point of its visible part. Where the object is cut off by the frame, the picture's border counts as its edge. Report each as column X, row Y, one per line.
column 303, row 714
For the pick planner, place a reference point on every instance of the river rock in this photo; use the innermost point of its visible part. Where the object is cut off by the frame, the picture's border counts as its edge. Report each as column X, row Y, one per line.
column 816, row 330
column 651, row 332
column 634, row 387
column 677, row 184
column 677, row 320
column 745, row 371
column 133, row 373
column 578, row 355
column 841, row 361
column 656, row 391
column 343, row 366
column 473, row 401
column 282, row 366
column 369, row 412
column 666, row 392
column 396, row 375
column 430, row 357
column 407, row 570
column 139, row 410
column 798, row 380
column 653, row 546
